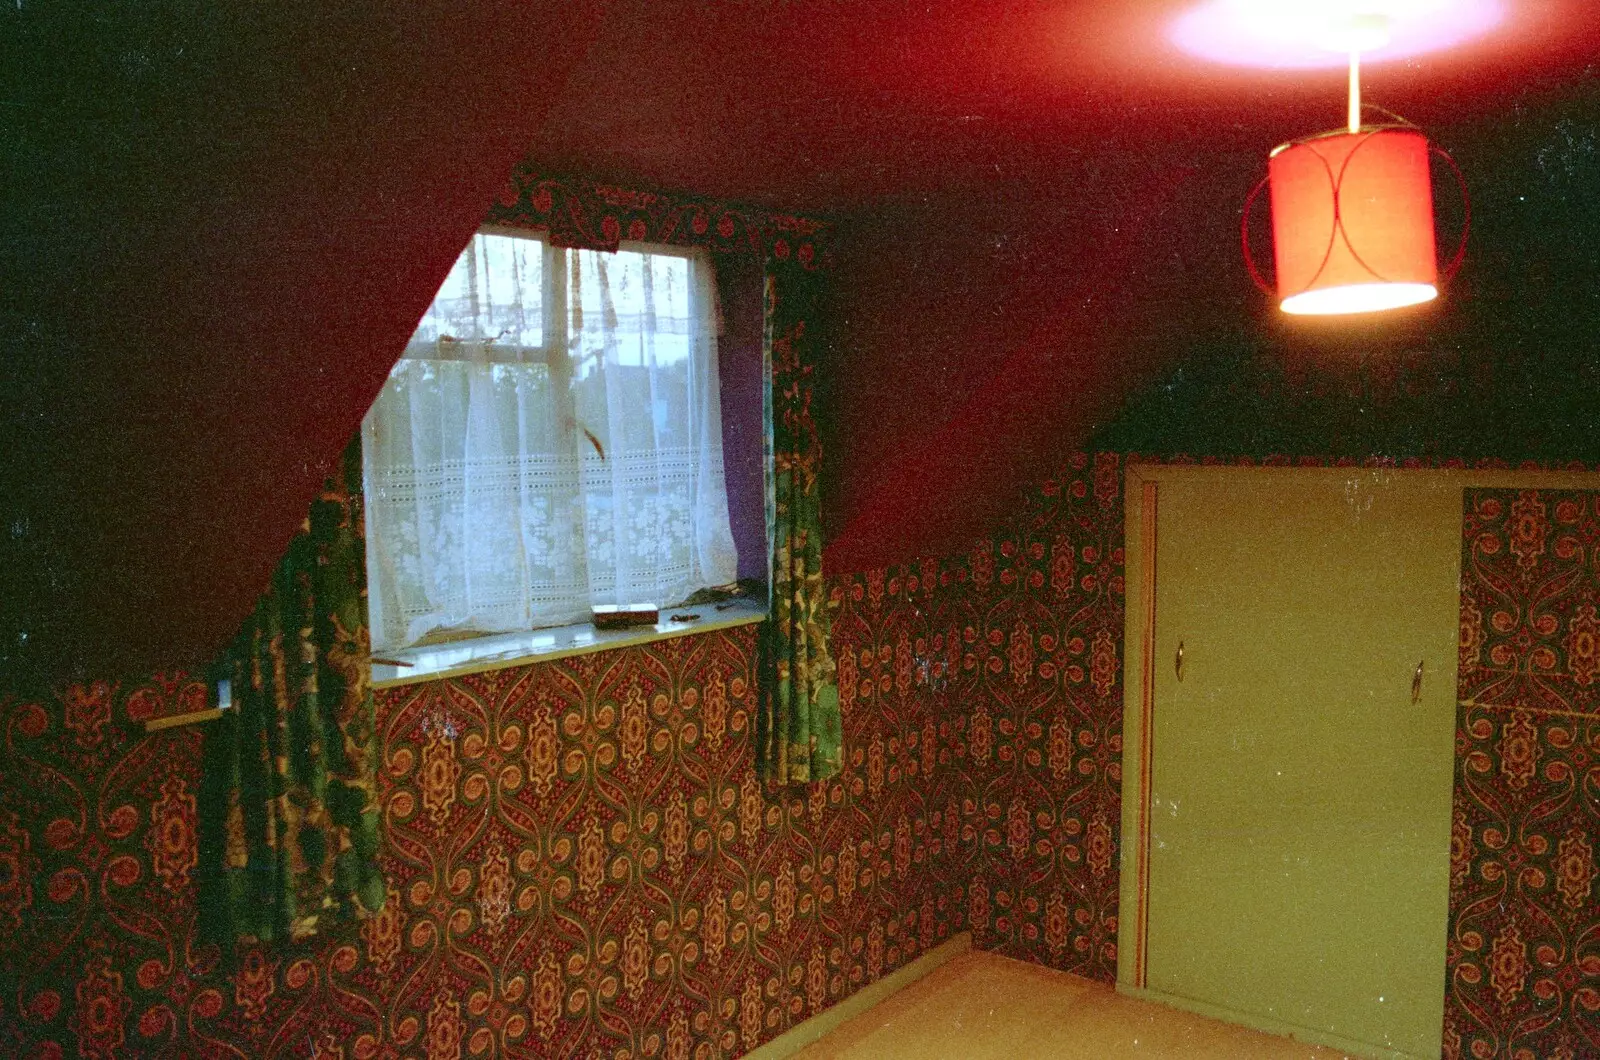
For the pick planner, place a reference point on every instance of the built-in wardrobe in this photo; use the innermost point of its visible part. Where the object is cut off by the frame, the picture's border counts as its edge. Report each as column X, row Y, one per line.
column 1292, row 652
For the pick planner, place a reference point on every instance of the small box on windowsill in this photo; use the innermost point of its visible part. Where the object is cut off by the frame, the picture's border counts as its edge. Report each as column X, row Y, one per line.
column 624, row 616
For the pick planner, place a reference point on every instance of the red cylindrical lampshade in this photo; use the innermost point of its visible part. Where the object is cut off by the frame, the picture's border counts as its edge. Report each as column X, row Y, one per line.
column 1352, row 222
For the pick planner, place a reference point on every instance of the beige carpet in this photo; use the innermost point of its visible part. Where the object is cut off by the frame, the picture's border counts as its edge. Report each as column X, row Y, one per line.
column 982, row 1006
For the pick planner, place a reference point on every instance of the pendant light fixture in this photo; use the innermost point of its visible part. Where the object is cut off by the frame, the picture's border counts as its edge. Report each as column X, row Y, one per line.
column 1352, row 211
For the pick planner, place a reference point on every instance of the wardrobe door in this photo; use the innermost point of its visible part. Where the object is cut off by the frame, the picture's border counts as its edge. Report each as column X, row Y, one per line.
column 1299, row 828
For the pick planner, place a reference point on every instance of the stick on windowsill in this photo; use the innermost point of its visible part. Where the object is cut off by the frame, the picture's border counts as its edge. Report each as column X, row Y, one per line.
column 194, row 717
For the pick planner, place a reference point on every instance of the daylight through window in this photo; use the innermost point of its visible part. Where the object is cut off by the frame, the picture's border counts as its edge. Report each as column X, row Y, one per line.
column 551, row 440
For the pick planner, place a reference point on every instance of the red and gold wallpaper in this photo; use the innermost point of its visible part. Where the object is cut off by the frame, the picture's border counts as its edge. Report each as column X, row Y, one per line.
column 581, row 863
column 1039, row 697
column 1524, row 943
column 98, row 848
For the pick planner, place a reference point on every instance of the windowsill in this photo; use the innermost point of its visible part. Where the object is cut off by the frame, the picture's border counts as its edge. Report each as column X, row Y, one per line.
column 482, row 654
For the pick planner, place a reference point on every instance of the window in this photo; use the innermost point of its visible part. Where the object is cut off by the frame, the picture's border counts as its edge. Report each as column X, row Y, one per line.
column 551, row 440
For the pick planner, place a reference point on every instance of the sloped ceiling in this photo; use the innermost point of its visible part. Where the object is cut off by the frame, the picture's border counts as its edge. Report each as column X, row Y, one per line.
column 225, row 220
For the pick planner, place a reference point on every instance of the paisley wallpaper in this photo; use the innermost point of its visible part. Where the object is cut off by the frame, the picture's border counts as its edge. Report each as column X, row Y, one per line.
column 1020, row 652
column 97, row 855
column 581, row 863
column 1040, row 696
column 1524, row 944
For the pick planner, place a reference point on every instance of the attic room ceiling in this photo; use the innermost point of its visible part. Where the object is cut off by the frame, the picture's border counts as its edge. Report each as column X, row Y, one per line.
column 837, row 107
column 222, row 223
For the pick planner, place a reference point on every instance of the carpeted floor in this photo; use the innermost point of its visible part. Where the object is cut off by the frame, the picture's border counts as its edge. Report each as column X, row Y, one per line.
column 982, row 1006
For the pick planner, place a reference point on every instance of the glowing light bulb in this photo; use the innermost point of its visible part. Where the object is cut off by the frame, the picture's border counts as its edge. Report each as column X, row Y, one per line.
column 1358, row 298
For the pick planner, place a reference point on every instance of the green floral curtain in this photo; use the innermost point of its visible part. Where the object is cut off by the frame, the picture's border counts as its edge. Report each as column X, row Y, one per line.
column 289, row 831
column 798, row 734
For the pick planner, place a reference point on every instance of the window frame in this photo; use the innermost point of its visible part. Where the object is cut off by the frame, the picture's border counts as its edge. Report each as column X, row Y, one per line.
column 463, row 652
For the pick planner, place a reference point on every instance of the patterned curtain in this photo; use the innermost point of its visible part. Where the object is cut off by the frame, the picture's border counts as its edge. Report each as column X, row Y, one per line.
column 289, row 829
column 798, row 735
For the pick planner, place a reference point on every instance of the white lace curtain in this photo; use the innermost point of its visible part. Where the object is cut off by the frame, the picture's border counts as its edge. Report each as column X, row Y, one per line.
column 551, row 440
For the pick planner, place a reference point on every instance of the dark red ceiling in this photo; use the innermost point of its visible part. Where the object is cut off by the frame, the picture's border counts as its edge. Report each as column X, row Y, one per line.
column 225, row 220
column 836, row 107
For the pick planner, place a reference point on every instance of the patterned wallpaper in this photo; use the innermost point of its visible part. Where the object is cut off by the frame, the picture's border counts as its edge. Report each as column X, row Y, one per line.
column 1020, row 650
column 1041, row 681
column 97, row 854
column 581, row 863
column 1524, row 943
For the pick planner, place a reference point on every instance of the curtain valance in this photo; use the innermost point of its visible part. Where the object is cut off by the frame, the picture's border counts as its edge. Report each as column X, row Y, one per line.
column 591, row 216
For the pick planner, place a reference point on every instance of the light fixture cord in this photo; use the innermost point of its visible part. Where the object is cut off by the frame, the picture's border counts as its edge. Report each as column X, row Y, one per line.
column 1355, row 91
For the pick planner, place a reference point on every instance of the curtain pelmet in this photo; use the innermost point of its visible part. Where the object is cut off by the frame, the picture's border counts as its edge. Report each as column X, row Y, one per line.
column 289, row 827
column 798, row 729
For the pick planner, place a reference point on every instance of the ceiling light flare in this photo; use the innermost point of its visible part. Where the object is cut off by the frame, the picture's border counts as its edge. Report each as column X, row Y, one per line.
column 1322, row 33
